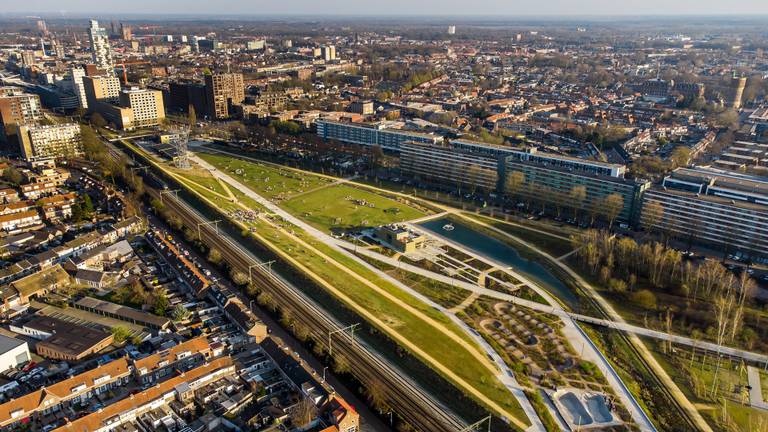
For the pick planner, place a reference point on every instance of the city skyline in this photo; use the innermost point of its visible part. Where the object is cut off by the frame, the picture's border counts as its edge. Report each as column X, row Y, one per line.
column 552, row 8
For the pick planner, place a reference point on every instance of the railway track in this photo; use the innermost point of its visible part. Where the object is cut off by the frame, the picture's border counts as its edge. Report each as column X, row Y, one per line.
column 403, row 396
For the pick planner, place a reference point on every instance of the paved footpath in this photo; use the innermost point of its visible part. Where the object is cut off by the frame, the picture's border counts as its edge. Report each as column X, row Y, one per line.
column 505, row 375
column 756, row 390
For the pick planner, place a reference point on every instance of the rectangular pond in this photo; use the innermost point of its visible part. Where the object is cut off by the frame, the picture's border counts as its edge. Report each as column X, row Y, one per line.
column 497, row 250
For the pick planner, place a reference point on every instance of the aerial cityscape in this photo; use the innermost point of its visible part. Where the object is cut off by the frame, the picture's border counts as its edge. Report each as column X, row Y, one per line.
column 344, row 216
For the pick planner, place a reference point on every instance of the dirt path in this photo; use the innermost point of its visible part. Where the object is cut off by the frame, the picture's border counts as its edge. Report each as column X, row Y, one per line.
column 465, row 304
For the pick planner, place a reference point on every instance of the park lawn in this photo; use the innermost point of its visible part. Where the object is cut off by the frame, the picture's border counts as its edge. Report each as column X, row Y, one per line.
column 446, row 351
column 210, row 183
column 343, row 207
column 220, row 202
column 266, row 179
column 443, row 349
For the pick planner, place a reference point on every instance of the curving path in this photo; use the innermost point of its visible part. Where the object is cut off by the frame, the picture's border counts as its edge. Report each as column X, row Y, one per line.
column 505, row 376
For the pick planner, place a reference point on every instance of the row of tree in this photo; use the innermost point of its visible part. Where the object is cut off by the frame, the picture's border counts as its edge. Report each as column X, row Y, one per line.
column 577, row 201
column 622, row 265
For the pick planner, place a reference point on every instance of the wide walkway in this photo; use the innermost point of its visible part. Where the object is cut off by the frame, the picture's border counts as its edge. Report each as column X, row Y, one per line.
column 613, row 315
column 575, row 336
column 620, row 326
column 756, row 389
column 505, row 376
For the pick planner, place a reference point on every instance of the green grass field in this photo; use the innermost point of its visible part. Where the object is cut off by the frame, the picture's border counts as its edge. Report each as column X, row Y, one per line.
column 342, row 207
column 314, row 198
column 267, row 180
column 445, row 350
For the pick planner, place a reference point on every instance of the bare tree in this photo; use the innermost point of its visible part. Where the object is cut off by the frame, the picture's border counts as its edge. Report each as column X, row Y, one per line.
column 514, row 183
column 376, row 392
column 653, row 215
column 745, row 287
column 578, row 196
column 612, row 206
column 303, row 413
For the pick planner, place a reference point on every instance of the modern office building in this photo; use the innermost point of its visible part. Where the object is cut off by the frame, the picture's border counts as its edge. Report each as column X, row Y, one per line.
column 223, row 91
column 704, row 205
column 101, row 51
column 371, row 134
column 58, row 141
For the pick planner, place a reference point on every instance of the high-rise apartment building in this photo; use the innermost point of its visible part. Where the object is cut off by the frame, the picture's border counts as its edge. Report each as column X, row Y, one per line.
column 716, row 207
column 101, row 51
column 27, row 58
column 58, row 141
column 126, row 32
column 136, row 108
column 739, row 84
column 223, row 91
column 371, row 134
column 17, row 108
column 328, row 53
column 101, row 89
column 76, row 75
column 361, row 107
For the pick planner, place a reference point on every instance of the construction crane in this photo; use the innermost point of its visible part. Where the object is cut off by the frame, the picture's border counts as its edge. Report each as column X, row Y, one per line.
column 125, row 69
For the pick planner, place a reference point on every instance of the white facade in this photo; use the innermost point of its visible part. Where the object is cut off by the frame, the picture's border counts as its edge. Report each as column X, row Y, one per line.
column 60, row 140
column 77, row 74
column 146, row 104
column 101, row 51
column 14, row 352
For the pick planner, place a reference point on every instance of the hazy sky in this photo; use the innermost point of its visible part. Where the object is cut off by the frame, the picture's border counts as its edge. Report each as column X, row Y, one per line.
column 395, row 7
